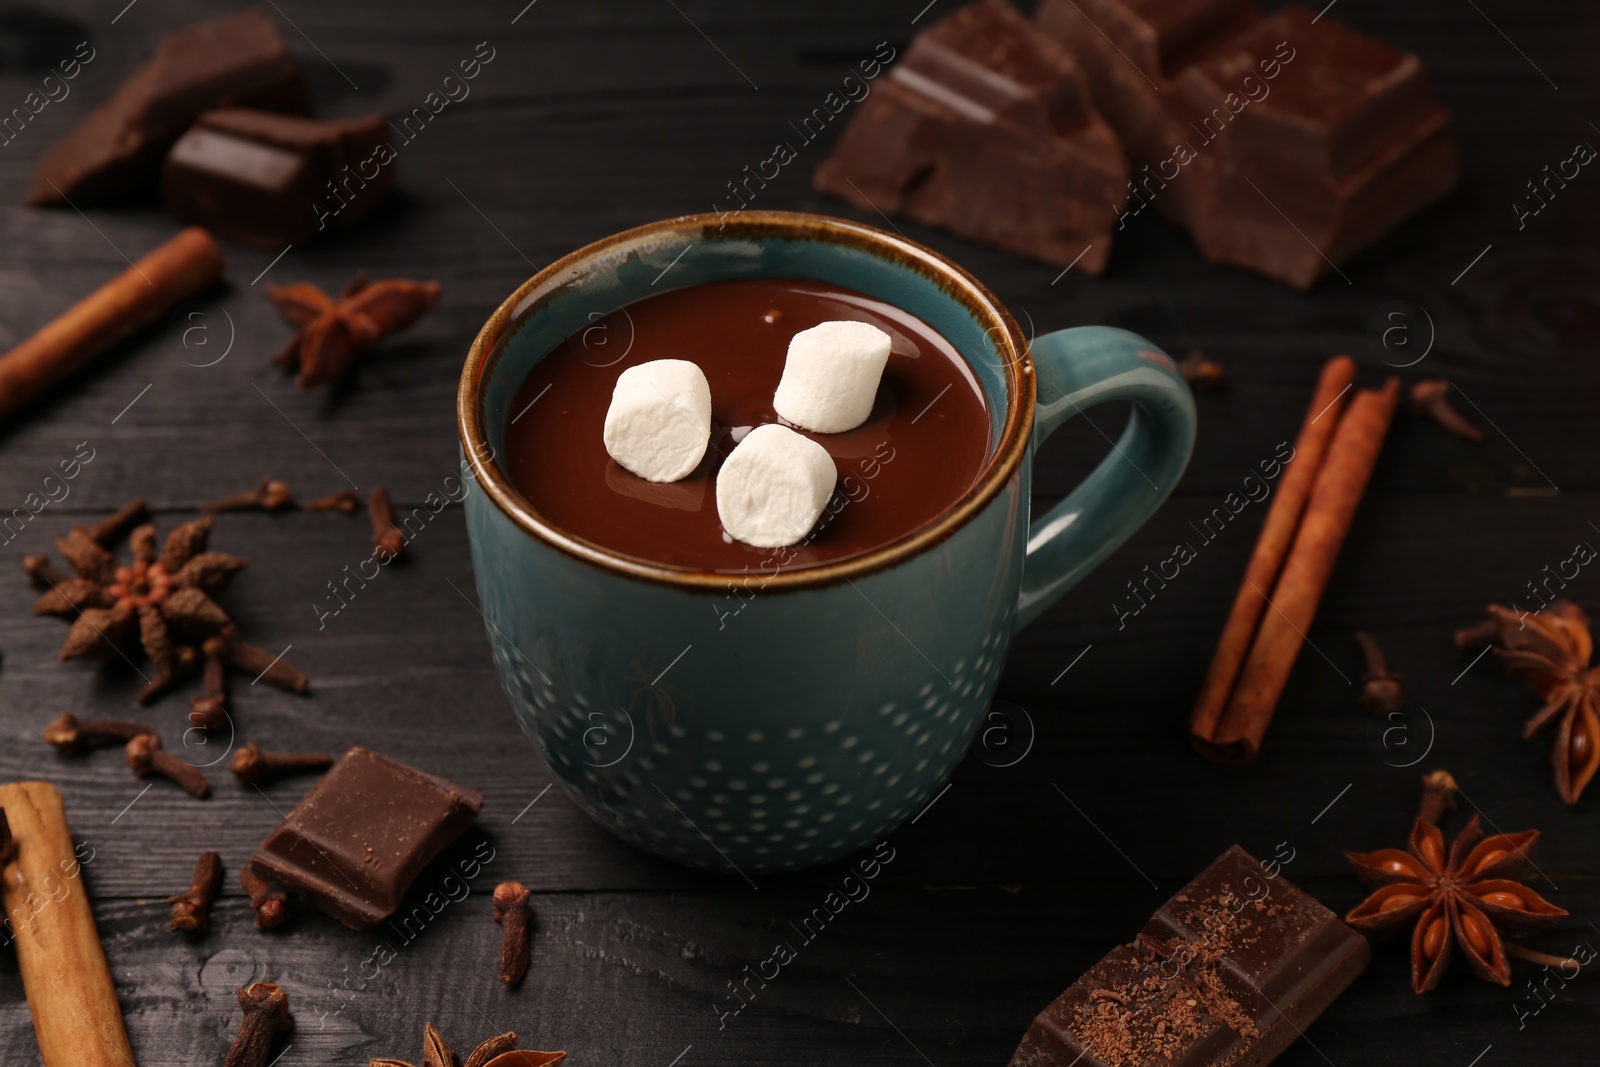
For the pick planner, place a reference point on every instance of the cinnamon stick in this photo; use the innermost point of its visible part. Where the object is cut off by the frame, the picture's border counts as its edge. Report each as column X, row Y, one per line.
column 147, row 291
column 1277, row 532
column 64, row 972
column 1339, row 486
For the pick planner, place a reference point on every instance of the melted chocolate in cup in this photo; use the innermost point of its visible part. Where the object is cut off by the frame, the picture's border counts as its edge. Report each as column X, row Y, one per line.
column 915, row 456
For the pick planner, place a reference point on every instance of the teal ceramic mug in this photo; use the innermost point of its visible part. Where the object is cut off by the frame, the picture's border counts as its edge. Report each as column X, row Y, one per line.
column 842, row 696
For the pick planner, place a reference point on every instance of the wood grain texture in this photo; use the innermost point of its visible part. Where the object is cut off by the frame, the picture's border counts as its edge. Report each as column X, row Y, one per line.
column 595, row 117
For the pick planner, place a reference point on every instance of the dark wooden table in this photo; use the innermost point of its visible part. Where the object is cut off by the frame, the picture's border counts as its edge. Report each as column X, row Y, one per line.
column 592, row 118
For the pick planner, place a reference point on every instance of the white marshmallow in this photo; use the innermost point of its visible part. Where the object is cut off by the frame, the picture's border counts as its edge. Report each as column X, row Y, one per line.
column 831, row 375
column 773, row 486
column 659, row 421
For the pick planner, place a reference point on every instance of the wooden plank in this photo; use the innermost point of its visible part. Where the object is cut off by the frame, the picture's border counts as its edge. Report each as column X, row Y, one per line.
column 902, row 974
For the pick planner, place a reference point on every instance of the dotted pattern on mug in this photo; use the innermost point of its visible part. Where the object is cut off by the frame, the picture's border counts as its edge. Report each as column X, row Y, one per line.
column 758, row 799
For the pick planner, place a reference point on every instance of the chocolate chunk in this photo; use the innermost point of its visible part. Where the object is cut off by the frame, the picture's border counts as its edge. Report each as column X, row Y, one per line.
column 1285, row 143
column 1126, row 52
column 115, row 153
column 1230, row 971
column 362, row 834
column 1347, row 143
column 985, row 128
column 274, row 179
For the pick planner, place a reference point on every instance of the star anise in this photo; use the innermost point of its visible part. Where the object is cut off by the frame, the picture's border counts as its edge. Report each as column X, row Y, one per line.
column 329, row 332
column 1549, row 651
column 501, row 1050
column 1474, row 897
column 160, row 602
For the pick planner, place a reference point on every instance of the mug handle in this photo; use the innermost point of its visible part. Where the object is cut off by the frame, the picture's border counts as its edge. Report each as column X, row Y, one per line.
column 1077, row 369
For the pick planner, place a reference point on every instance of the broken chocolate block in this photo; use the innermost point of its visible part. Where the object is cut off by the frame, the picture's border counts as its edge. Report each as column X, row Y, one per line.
column 1126, row 51
column 115, row 153
column 362, row 834
column 275, row 179
column 1230, row 971
column 985, row 128
column 1344, row 147
column 1285, row 143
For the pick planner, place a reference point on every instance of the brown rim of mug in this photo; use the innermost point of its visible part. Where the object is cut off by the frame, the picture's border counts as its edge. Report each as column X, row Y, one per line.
column 1011, row 347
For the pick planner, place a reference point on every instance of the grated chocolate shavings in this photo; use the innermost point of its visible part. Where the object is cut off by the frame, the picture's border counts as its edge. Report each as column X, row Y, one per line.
column 1176, row 994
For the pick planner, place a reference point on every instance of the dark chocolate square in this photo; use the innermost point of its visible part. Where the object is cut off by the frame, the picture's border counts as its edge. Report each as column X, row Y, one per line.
column 359, row 839
column 978, row 59
column 1276, row 931
column 1341, row 98
column 274, row 179
column 1130, row 1022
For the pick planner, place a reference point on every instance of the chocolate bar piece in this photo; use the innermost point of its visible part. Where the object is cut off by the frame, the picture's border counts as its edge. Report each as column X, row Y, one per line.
column 115, row 153
column 1229, row 972
column 273, row 179
column 985, row 128
column 1284, row 143
column 359, row 839
column 1126, row 51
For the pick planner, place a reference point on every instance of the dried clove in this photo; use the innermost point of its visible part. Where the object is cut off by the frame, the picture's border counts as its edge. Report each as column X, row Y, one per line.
column 8, row 844
column 387, row 540
column 268, row 495
column 274, row 670
column 266, row 1014
column 207, row 713
column 209, row 710
column 71, row 737
column 1430, row 397
column 1482, row 635
column 345, row 500
column 255, row 767
column 268, row 901
column 147, row 756
column 1200, row 371
column 191, row 909
column 512, row 912
column 1438, row 795
column 1380, row 687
